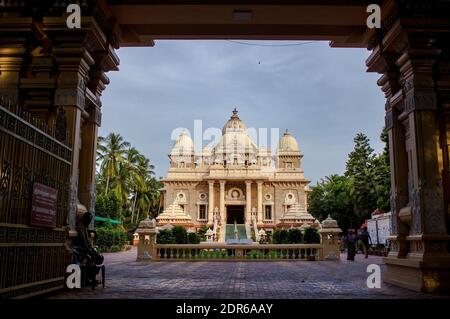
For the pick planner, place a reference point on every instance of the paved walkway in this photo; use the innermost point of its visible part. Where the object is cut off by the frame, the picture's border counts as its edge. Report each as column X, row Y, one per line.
column 127, row 278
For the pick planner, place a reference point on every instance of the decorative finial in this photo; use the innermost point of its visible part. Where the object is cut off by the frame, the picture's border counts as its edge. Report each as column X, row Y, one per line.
column 286, row 132
column 235, row 111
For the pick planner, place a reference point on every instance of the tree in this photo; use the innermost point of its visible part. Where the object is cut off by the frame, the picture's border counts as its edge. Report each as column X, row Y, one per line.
column 382, row 173
column 361, row 174
column 107, row 206
column 128, row 176
column 331, row 196
column 111, row 152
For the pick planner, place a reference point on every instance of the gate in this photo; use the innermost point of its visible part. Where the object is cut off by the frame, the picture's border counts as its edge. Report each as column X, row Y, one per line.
column 32, row 259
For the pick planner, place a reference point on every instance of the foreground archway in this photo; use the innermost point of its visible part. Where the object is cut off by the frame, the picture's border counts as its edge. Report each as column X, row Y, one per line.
column 58, row 73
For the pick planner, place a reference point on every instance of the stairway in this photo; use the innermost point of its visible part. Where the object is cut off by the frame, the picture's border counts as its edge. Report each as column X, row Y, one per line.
column 242, row 234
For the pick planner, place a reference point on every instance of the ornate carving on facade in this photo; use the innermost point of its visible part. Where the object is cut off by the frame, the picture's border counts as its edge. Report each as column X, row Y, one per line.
column 61, row 125
column 420, row 102
column 393, row 204
column 237, row 183
column 433, row 202
column 416, row 210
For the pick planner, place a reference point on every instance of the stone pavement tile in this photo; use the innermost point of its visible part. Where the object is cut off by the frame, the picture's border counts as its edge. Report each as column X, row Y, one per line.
column 127, row 278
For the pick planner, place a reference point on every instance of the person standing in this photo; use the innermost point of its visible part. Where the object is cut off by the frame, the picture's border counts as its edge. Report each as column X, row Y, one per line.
column 350, row 242
column 365, row 240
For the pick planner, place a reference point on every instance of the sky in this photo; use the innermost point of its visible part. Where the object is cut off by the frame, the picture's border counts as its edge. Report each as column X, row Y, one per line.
column 323, row 95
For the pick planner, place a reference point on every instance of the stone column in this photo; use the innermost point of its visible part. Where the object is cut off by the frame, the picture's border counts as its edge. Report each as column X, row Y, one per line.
column 415, row 111
column 211, row 216
column 222, row 202
column 385, row 63
column 82, row 60
column 70, row 96
column 248, row 199
column 260, row 200
column 86, row 186
column 146, row 250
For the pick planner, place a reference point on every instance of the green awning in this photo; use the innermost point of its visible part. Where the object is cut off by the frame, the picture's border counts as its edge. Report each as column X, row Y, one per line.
column 108, row 220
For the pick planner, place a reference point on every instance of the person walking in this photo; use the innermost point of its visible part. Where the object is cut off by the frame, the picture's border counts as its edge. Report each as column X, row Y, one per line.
column 350, row 242
column 365, row 240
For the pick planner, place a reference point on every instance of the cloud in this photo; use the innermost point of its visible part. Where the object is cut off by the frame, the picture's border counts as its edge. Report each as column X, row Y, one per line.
column 323, row 95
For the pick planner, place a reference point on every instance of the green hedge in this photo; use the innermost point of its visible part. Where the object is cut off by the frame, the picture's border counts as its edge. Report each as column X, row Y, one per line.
column 311, row 236
column 177, row 235
column 295, row 236
column 111, row 239
column 280, row 236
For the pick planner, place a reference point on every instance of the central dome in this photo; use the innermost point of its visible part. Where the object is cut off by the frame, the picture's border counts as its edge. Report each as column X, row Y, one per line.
column 234, row 124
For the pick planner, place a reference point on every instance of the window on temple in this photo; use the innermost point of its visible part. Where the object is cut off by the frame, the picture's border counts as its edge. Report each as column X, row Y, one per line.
column 289, row 165
column 268, row 212
column 202, row 211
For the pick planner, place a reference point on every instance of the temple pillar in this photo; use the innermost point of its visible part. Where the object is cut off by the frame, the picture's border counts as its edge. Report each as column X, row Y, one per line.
column 248, row 201
column 385, row 63
column 260, row 202
column 222, row 202
column 413, row 63
column 211, row 216
column 77, row 95
column 88, row 152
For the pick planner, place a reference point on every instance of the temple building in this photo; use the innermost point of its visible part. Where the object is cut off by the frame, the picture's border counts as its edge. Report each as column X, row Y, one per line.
column 235, row 183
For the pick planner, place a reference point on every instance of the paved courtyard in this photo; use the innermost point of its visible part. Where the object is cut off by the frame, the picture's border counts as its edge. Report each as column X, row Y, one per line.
column 127, row 278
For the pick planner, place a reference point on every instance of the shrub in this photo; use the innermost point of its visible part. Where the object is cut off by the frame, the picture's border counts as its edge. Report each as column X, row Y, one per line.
column 165, row 237
column 294, row 236
column 110, row 238
column 201, row 232
column 280, row 236
column 193, row 238
column 311, row 236
column 180, row 235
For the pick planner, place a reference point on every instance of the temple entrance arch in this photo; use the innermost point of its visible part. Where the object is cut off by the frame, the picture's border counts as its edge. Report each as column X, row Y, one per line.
column 235, row 213
column 67, row 72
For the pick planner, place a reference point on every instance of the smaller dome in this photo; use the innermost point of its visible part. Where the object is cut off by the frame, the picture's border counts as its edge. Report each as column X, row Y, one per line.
column 183, row 145
column 288, row 143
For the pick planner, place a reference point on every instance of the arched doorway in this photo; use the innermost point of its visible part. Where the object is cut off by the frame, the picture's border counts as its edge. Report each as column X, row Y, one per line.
column 235, row 214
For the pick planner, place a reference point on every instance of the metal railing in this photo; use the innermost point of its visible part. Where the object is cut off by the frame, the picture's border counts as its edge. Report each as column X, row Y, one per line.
column 32, row 260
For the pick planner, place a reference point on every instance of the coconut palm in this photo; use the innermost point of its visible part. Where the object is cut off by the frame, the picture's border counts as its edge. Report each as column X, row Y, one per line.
column 111, row 153
column 128, row 174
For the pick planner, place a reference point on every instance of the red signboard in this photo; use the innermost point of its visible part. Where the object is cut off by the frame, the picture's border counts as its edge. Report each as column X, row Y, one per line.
column 43, row 206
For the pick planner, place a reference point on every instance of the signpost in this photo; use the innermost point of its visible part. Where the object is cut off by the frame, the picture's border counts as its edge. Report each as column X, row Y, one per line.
column 43, row 206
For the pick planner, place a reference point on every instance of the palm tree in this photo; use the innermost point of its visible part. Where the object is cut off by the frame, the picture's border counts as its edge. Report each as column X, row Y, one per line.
column 111, row 153
column 142, row 175
column 128, row 173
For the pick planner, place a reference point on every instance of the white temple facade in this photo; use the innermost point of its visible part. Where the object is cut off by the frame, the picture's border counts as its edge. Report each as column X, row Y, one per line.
column 235, row 183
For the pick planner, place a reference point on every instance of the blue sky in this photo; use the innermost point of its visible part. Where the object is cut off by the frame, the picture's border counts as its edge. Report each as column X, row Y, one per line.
column 324, row 96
